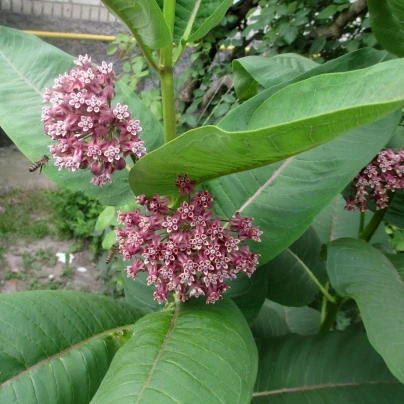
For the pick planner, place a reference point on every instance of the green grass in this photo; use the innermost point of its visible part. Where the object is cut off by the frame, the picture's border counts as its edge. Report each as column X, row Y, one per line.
column 23, row 215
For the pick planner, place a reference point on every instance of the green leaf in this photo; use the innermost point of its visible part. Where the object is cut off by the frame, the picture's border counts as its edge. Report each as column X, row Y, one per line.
column 398, row 261
column 138, row 293
column 352, row 45
column 289, row 32
column 395, row 212
column 275, row 320
column 144, row 19
column 288, row 280
column 299, row 117
column 244, row 85
column 359, row 271
column 387, row 22
column 195, row 18
column 28, row 66
column 397, row 141
column 109, row 240
column 249, row 293
column 238, row 118
column 251, row 70
column 105, row 218
column 334, row 222
column 192, row 353
column 317, row 45
column 340, row 367
column 55, row 347
column 328, row 12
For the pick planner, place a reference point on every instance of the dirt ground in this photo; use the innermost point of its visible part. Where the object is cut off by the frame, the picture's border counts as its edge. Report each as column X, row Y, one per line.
column 34, row 264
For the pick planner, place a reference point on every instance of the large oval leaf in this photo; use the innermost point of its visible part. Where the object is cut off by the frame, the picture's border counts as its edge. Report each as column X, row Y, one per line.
column 55, row 347
column 275, row 320
column 28, row 66
column 268, row 72
column 359, row 271
column 336, row 368
column 289, row 282
column 387, row 22
column 193, row 353
column 239, row 118
column 295, row 119
column 144, row 19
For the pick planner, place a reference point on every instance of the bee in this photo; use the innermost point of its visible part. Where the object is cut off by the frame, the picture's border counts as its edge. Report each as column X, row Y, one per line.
column 40, row 163
column 111, row 253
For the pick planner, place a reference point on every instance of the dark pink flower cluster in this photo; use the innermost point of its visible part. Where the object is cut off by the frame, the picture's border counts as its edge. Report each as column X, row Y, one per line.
column 188, row 251
column 384, row 173
column 89, row 132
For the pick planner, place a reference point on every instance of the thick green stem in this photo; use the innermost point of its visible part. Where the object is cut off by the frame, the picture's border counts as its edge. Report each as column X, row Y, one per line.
column 324, row 305
column 372, row 226
column 331, row 315
column 166, row 76
column 361, row 223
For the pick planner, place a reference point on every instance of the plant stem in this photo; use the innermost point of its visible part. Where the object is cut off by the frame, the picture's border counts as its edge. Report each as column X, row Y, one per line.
column 361, row 223
column 166, row 76
column 331, row 314
column 324, row 306
column 372, row 226
column 323, row 290
column 169, row 13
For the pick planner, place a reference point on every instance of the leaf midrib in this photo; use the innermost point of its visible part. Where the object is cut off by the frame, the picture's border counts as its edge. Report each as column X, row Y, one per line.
column 61, row 353
column 19, row 73
column 163, row 346
column 321, row 386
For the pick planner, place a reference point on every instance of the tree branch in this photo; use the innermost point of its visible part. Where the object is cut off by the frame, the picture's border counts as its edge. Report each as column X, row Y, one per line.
column 336, row 28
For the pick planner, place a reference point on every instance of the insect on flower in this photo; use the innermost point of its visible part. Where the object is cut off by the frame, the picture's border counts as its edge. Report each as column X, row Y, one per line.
column 111, row 253
column 42, row 162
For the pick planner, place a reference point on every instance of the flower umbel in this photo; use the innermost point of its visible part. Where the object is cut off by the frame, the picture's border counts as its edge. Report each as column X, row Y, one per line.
column 89, row 132
column 187, row 251
column 384, row 173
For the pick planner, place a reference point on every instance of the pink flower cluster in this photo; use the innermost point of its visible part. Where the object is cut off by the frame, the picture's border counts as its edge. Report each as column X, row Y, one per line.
column 89, row 132
column 384, row 173
column 186, row 251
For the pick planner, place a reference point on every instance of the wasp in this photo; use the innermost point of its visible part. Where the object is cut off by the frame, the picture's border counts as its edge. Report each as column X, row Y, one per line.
column 40, row 163
column 111, row 253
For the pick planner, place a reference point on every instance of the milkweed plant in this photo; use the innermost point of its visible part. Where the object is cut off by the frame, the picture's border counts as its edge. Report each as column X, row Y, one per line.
column 256, row 265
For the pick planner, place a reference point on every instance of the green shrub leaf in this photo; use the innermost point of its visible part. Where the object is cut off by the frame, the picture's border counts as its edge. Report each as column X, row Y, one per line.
column 387, row 22
column 192, row 353
column 340, row 367
column 55, row 347
column 359, row 271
